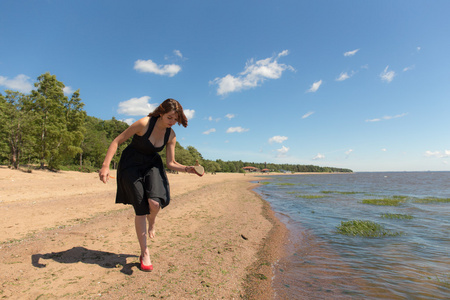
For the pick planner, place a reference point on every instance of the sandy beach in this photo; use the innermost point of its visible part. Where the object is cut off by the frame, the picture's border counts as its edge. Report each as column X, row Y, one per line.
column 62, row 236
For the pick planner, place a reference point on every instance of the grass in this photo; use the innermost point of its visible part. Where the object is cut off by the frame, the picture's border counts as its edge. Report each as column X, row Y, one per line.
column 260, row 276
column 364, row 229
column 396, row 216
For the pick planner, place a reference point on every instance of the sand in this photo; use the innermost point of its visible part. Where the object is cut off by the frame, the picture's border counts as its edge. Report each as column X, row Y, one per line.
column 62, row 236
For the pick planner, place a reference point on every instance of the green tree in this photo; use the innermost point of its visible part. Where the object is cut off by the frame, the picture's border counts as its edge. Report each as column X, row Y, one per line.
column 72, row 134
column 4, row 149
column 211, row 166
column 183, row 156
column 15, row 121
column 57, row 121
column 195, row 154
column 98, row 136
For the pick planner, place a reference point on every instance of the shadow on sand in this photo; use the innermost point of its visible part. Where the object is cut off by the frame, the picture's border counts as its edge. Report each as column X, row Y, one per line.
column 80, row 254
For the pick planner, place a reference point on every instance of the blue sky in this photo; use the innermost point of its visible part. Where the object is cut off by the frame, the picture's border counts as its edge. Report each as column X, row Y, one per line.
column 354, row 84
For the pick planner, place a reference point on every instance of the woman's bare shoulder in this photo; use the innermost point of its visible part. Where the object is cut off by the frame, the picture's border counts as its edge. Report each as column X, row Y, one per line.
column 141, row 125
column 172, row 136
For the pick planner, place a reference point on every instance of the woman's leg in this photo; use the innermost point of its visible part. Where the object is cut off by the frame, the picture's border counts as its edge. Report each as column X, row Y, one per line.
column 140, row 223
column 154, row 209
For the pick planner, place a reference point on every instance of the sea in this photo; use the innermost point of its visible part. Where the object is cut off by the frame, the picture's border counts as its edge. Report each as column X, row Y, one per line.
column 410, row 261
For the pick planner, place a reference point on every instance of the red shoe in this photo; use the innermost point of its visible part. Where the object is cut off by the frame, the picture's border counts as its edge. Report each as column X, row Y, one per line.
column 144, row 267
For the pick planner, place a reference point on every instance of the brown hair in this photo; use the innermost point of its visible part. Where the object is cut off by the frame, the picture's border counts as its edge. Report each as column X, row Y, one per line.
column 170, row 105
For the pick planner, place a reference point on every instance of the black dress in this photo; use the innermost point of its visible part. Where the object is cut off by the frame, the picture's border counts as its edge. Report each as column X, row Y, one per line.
column 141, row 174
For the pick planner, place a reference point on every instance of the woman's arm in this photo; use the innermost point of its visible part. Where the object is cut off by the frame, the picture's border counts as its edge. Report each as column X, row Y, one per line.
column 170, row 157
column 136, row 127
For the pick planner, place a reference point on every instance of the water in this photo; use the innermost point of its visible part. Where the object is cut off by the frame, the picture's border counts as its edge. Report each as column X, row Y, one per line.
column 323, row 264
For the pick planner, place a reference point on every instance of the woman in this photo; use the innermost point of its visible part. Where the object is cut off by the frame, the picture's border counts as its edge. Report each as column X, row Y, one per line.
column 141, row 177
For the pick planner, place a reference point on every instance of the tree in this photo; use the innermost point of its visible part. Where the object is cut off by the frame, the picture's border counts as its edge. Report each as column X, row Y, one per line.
column 98, row 136
column 4, row 149
column 196, row 156
column 16, row 140
column 113, row 128
column 58, row 121
column 72, row 134
column 183, row 156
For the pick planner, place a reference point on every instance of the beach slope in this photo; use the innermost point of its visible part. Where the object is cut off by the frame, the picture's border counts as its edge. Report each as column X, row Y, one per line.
column 62, row 236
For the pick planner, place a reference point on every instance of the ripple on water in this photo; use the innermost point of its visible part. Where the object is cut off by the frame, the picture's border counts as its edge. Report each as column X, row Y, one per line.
column 324, row 265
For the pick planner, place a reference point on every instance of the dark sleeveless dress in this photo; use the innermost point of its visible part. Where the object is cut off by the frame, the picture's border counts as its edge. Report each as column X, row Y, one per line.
column 141, row 174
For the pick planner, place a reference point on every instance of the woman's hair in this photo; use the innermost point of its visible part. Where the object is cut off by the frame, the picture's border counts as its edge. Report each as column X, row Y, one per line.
column 170, row 105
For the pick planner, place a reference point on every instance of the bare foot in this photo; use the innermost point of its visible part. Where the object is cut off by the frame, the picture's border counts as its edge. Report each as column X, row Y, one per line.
column 151, row 232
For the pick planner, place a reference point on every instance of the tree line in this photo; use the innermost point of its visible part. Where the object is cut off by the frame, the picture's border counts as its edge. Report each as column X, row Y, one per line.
column 47, row 129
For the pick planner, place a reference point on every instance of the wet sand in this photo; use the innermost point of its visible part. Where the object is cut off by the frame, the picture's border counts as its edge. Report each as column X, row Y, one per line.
column 62, row 236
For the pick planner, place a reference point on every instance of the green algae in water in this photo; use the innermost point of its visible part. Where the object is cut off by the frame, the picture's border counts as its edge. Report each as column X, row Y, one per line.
column 432, row 200
column 364, row 229
column 341, row 193
column 310, row 196
column 397, row 216
column 384, row 201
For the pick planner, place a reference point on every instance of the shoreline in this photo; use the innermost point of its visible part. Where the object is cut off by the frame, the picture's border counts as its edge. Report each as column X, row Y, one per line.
column 217, row 237
column 259, row 281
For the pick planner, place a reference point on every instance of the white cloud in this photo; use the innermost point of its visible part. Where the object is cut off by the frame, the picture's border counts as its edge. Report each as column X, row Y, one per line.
column 437, row 154
column 68, row 90
column 282, row 151
column 315, row 86
column 136, row 106
column 387, row 118
column 189, row 113
column 386, row 75
column 349, row 151
column 344, row 76
column 209, row 131
column 21, row 83
column 351, row 53
column 230, row 116
column 148, row 66
column 236, row 129
column 307, row 114
column 319, row 156
column 373, row 120
column 395, row 117
column 418, row 49
column 254, row 74
column 210, row 118
column 409, row 68
column 129, row 121
column 178, row 53
column 384, row 149
column 277, row 139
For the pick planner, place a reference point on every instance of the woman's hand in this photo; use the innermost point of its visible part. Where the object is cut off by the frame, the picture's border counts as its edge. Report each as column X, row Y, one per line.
column 104, row 174
column 189, row 169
